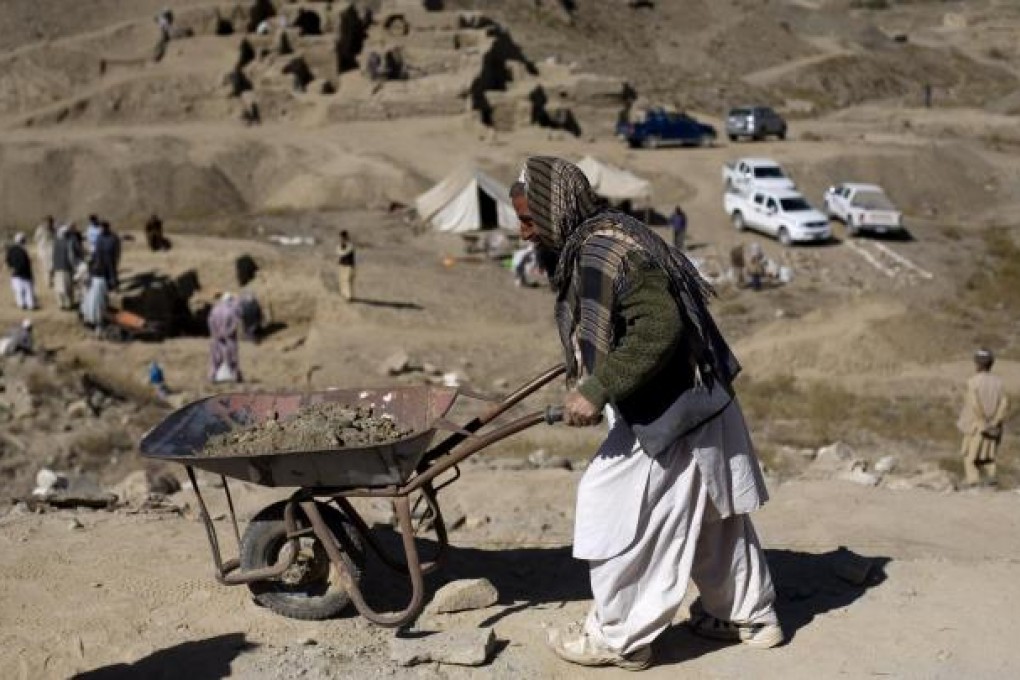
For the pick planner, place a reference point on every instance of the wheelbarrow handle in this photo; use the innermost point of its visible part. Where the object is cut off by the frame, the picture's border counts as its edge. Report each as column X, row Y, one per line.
column 553, row 414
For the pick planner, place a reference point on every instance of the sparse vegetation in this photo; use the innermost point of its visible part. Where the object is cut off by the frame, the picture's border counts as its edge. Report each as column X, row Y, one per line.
column 951, row 232
column 824, row 412
column 993, row 286
column 115, row 380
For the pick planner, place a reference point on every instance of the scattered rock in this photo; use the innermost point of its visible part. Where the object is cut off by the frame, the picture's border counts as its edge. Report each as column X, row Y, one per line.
column 509, row 464
column 454, row 379
column 886, row 464
column 541, row 459
column 859, row 476
column 932, row 480
column 835, row 453
column 431, row 369
column 78, row 409
column 133, row 489
column 501, row 383
column 471, row 647
column 463, row 595
column 851, row 567
column 75, row 524
column 163, row 483
column 306, row 642
column 382, row 512
column 47, row 481
column 477, row 522
column 396, row 364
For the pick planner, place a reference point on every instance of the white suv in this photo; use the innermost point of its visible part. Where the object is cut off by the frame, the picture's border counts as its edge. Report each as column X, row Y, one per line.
column 782, row 213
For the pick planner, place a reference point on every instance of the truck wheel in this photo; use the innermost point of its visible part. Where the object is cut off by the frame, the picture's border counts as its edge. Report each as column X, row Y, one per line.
column 784, row 237
column 851, row 230
column 738, row 221
column 782, row 135
column 733, row 138
column 706, row 141
column 311, row 588
column 651, row 142
column 758, row 137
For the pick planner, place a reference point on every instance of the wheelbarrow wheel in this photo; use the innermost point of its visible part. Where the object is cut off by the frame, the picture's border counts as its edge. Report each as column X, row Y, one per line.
column 311, row 588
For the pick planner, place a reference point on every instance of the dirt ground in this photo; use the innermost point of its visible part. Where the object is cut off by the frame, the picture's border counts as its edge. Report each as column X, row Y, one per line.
column 869, row 343
column 133, row 596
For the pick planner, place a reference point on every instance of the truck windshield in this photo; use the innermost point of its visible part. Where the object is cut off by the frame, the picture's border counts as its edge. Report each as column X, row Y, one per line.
column 769, row 172
column 794, row 204
column 740, row 113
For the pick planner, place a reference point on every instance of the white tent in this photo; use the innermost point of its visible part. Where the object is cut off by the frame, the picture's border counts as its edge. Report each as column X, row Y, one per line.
column 467, row 200
column 612, row 182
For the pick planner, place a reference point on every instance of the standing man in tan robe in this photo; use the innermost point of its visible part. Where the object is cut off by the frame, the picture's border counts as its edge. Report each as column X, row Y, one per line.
column 984, row 409
column 345, row 258
column 44, row 236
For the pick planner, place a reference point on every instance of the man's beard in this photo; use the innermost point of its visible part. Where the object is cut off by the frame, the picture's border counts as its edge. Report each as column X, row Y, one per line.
column 548, row 258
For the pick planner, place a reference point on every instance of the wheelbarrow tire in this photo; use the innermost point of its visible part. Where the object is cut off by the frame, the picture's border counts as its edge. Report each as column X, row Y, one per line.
column 318, row 593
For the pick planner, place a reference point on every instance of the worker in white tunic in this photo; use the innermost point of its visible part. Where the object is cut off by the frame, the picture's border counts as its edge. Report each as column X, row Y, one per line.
column 667, row 495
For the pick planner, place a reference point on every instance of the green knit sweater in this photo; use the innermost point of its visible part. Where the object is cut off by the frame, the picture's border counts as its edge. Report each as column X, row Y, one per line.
column 649, row 331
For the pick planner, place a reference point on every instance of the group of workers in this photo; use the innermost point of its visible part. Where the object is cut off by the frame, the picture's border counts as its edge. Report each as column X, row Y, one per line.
column 72, row 264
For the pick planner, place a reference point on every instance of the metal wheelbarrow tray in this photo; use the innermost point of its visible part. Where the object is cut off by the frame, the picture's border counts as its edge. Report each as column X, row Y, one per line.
column 303, row 557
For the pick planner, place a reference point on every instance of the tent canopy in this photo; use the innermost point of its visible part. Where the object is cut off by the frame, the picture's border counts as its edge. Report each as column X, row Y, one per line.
column 612, row 182
column 467, row 200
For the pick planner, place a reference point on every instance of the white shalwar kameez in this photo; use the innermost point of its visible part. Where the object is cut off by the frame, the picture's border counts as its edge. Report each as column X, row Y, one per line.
column 646, row 525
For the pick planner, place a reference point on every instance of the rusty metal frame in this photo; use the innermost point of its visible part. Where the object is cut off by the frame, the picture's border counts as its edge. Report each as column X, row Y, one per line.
column 460, row 445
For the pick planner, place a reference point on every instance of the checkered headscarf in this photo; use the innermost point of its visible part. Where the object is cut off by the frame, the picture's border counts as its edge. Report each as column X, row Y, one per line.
column 567, row 214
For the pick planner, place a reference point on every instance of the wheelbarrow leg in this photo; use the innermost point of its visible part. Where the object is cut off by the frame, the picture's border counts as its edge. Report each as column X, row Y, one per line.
column 402, row 505
column 439, row 527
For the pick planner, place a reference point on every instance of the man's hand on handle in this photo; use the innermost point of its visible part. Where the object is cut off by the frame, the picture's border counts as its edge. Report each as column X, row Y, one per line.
column 578, row 411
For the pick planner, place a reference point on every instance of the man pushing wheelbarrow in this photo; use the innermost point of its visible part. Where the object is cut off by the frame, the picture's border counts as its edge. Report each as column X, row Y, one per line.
column 665, row 499
column 667, row 495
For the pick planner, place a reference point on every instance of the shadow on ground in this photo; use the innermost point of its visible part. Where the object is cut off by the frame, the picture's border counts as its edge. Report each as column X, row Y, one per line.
column 807, row 584
column 390, row 304
column 207, row 659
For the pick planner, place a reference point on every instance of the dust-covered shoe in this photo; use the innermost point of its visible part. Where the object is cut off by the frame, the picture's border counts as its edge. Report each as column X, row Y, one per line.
column 576, row 647
column 757, row 635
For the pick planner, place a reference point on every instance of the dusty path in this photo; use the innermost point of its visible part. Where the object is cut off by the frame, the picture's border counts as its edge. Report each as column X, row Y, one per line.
column 137, row 589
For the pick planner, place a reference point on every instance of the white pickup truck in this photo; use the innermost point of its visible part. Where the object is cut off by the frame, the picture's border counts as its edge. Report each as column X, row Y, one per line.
column 863, row 207
column 782, row 213
column 746, row 174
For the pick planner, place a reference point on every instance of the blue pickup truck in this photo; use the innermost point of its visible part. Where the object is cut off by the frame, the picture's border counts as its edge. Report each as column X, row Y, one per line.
column 660, row 128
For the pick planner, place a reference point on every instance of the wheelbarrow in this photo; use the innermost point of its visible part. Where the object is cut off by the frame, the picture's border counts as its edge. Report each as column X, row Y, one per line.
column 303, row 557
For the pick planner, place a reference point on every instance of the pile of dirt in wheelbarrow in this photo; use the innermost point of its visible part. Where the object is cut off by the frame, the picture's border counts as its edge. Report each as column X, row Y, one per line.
column 313, row 428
